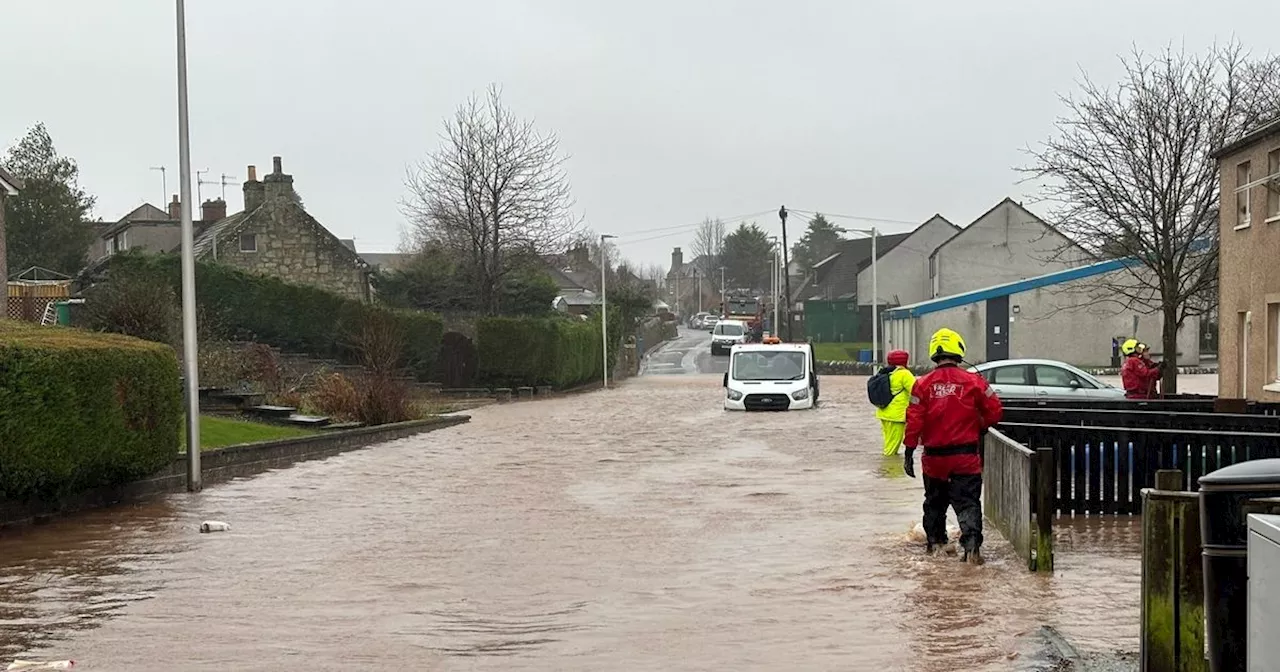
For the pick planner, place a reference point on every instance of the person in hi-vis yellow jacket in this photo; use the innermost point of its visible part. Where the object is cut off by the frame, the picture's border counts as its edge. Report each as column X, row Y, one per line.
column 893, row 418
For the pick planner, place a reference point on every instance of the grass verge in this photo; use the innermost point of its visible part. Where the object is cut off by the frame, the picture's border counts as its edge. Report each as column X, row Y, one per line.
column 216, row 432
column 838, row 352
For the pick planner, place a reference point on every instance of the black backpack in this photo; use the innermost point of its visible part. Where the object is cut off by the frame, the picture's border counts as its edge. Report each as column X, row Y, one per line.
column 879, row 389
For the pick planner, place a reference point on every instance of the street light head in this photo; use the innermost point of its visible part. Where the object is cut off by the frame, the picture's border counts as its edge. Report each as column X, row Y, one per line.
column 604, row 236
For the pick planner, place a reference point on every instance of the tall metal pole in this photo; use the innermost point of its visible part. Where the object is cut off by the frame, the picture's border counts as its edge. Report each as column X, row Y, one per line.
column 786, row 269
column 698, row 275
column 723, row 309
column 604, row 308
column 875, row 302
column 190, row 353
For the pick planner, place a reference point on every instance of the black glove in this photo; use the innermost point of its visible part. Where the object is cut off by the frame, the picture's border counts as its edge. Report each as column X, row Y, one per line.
column 909, row 462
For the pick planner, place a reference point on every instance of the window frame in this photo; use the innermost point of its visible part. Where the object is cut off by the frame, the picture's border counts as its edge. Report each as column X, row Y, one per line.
column 1244, row 187
column 1071, row 375
column 251, row 236
column 1027, row 375
column 1273, row 186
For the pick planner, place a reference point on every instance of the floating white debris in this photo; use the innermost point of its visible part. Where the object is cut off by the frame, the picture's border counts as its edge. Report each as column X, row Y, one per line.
column 41, row 665
column 214, row 526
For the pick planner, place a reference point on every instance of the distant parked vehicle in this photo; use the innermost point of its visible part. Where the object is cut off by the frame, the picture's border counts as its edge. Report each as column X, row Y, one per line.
column 1044, row 379
column 726, row 334
column 709, row 322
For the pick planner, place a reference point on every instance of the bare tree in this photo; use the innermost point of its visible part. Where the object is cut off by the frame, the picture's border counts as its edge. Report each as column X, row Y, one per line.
column 708, row 247
column 1130, row 171
column 495, row 189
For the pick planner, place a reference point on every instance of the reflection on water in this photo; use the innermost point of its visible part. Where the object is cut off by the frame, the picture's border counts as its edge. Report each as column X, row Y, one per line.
column 640, row 528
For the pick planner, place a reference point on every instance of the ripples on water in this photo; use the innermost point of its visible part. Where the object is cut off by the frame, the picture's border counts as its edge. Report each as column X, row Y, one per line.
column 637, row 529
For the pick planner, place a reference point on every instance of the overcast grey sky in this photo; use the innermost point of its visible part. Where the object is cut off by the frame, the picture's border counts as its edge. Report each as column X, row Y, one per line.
column 671, row 110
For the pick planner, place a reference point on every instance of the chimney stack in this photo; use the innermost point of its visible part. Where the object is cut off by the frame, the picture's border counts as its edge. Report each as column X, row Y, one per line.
column 212, row 211
column 279, row 187
column 254, row 191
column 677, row 260
column 175, row 208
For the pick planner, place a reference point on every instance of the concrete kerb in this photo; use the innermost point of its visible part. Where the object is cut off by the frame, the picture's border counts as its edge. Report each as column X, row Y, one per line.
column 222, row 465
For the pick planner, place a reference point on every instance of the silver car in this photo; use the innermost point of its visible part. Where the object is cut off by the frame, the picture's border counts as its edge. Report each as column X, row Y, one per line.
column 1043, row 379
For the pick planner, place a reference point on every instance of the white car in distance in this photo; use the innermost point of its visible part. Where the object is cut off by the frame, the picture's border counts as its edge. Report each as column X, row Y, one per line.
column 1043, row 379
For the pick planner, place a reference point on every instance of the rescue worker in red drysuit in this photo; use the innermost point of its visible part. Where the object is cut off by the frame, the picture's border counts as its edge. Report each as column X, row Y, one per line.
column 950, row 411
column 1144, row 351
column 1138, row 377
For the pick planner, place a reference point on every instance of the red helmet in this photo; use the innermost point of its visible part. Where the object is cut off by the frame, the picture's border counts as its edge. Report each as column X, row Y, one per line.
column 898, row 357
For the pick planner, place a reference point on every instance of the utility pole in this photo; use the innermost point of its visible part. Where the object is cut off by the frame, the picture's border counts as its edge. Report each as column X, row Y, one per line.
column 786, row 267
column 698, row 276
column 190, row 353
column 677, row 301
column 164, row 184
column 604, row 306
column 723, row 309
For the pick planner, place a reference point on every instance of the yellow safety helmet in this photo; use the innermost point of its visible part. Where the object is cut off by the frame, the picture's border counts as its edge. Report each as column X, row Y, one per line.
column 946, row 343
column 1129, row 347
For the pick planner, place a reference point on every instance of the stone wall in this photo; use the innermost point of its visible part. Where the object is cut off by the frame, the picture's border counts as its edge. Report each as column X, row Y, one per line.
column 293, row 246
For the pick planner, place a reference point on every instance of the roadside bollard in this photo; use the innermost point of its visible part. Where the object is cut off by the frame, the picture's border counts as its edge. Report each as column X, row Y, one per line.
column 1224, row 499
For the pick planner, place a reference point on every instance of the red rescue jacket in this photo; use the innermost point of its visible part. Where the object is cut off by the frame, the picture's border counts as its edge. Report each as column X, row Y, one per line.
column 951, row 407
column 1139, row 378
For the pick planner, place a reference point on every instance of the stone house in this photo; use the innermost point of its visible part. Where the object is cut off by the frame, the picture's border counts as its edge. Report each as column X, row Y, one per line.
column 274, row 235
column 1248, row 288
column 9, row 186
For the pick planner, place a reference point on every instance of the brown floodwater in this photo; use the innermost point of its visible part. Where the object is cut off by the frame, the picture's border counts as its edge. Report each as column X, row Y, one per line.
column 639, row 528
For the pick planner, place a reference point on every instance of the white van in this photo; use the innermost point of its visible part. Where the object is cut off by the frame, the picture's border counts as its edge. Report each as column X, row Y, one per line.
column 726, row 334
column 770, row 376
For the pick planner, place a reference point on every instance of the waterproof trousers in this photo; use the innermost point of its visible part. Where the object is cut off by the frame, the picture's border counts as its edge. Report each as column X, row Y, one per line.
column 962, row 492
column 894, row 433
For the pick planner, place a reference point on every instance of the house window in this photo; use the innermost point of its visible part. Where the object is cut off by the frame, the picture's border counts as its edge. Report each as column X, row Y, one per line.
column 1244, row 175
column 124, row 240
column 1273, row 341
column 248, row 242
column 1273, row 185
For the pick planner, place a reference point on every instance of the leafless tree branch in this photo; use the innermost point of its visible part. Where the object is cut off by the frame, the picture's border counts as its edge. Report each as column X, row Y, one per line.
column 1130, row 173
column 495, row 190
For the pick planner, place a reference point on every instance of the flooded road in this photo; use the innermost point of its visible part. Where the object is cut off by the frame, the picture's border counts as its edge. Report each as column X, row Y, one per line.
column 639, row 528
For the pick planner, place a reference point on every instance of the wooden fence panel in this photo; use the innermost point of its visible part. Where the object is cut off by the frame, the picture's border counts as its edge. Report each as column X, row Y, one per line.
column 1007, row 492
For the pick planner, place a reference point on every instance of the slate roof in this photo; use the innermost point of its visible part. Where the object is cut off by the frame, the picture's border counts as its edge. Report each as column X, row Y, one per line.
column 219, row 230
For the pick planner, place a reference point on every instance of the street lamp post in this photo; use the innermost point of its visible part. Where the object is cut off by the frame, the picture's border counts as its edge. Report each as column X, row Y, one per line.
column 189, row 351
column 774, row 283
column 604, row 306
column 875, row 292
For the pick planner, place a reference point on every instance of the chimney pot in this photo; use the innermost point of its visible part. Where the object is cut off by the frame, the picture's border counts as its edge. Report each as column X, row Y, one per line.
column 253, row 173
column 275, row 164
column 175, row 208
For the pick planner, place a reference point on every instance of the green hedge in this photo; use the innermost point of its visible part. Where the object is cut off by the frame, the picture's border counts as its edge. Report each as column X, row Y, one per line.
column 527, row 351
column 80, row 410
column 294, row 318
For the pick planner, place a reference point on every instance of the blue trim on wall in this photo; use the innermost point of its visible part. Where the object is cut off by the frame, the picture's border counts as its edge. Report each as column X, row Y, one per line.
column 1056, row 278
